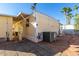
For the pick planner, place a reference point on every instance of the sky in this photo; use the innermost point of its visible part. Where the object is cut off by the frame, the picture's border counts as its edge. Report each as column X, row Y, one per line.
column 50, row 9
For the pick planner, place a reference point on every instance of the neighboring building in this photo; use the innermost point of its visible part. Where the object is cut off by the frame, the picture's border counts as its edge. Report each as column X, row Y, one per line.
column 6, row 23
column 30, row 26
column 68, row 29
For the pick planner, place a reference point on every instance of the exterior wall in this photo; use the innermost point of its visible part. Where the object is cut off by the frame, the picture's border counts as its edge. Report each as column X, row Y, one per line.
column 46, row 24
column 30, row 32
column 5, row 26
column 41, row 23
column 10, row 24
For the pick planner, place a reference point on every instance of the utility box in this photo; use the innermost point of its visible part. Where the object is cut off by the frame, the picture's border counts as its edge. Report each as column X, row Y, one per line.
column 49, row 36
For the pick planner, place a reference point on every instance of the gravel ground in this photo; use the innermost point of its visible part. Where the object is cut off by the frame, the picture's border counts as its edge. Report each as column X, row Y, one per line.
column 66, row 45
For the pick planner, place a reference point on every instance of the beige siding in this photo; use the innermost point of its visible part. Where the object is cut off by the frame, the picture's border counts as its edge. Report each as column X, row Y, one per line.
column 46, row 23
column 10, row 24
column 5, row 25
column 29, row 32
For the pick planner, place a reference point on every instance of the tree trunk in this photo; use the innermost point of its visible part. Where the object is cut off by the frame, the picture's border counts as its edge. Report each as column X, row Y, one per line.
column 67, row 20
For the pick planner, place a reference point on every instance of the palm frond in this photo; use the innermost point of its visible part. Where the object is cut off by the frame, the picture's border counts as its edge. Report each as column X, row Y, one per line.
column 34, row 6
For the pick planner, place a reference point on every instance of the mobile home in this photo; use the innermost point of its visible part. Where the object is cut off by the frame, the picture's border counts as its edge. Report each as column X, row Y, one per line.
column 28, row 26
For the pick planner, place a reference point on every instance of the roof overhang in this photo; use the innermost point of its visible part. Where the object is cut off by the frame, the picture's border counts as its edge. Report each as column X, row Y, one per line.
column 20, row 16
column 7, row 15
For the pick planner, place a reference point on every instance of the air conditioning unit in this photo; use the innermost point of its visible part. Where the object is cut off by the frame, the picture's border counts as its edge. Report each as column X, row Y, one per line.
column 49, row 36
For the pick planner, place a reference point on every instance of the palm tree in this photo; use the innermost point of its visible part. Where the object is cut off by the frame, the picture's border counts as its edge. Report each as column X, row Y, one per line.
column 34, row 6
column 69, row 17
column 66, row 11
column 76, row 17
column 69, row 9
column 76, row 7
column 76, row 24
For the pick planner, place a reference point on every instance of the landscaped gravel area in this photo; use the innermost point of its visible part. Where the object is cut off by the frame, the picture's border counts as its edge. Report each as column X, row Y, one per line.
column 66, row 45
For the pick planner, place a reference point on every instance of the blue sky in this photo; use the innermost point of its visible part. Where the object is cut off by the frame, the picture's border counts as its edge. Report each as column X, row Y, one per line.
column 51, row 9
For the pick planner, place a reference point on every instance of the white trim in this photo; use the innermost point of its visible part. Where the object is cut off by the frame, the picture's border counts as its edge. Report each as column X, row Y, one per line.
column 19, row 13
